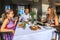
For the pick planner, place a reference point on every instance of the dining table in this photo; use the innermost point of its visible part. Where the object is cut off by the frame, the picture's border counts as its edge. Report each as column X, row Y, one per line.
column 45, row 33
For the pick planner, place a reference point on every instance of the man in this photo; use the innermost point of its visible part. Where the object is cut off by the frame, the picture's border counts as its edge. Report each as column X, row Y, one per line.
column 25, row 16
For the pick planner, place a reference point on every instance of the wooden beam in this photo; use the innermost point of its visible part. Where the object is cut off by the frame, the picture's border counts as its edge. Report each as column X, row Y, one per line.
column 57, row 3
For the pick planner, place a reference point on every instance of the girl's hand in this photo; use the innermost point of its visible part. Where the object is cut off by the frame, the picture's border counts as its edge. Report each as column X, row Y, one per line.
column 13, row 31
column 16, row 19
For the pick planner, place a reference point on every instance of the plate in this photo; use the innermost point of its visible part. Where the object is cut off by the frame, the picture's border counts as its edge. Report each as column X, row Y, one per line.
column 20, row 24
column 48, row 27
column 35, row 27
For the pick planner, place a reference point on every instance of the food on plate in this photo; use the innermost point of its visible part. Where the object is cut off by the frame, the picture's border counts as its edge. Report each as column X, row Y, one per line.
column 36, row 27
column 20, row 24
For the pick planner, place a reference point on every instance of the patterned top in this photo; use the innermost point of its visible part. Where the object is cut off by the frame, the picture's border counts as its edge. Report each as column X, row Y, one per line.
column 10, row 25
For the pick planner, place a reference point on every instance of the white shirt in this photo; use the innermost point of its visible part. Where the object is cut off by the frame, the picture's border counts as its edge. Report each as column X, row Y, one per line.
column 24, row 17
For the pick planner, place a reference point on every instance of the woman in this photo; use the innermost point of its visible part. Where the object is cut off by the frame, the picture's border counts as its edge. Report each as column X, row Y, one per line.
column 8, row 26
column 52, row 18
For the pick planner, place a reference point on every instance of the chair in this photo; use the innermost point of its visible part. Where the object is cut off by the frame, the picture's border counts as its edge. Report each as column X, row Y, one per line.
column 57, row 35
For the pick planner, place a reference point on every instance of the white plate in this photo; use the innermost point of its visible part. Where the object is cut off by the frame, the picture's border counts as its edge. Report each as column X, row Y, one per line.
column 48, row 27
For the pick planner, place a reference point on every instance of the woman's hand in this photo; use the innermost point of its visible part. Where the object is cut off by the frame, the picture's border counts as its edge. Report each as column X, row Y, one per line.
column 47, row 24
column 52, row 25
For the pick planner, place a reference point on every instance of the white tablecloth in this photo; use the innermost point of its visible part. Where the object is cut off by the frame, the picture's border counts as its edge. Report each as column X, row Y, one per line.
column 27, row 34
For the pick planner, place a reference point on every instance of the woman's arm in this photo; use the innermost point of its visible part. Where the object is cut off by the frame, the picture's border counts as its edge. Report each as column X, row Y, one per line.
column 4, row 25
column 56, row 21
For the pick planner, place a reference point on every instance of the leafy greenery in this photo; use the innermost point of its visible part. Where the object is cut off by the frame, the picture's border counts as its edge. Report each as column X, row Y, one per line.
column 32, row 15
column 24, row 25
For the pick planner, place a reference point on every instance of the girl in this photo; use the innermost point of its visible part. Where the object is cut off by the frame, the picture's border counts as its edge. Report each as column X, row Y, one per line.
column 8, row 26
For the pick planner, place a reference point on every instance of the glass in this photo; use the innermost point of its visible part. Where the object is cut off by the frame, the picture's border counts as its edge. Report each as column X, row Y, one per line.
column 43, row 19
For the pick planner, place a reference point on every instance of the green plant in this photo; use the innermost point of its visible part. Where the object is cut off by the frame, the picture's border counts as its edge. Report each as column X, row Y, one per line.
column 24, row 25
column 32, row 16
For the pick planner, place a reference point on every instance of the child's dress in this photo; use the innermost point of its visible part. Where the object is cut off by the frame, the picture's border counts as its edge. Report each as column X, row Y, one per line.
column 9, row 36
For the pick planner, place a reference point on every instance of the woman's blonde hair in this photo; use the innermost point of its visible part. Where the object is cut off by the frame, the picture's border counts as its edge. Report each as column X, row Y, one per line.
column 53, row 14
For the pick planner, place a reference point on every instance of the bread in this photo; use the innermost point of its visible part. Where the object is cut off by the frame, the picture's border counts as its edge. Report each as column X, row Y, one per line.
column 35, row 27
column 20, row 25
